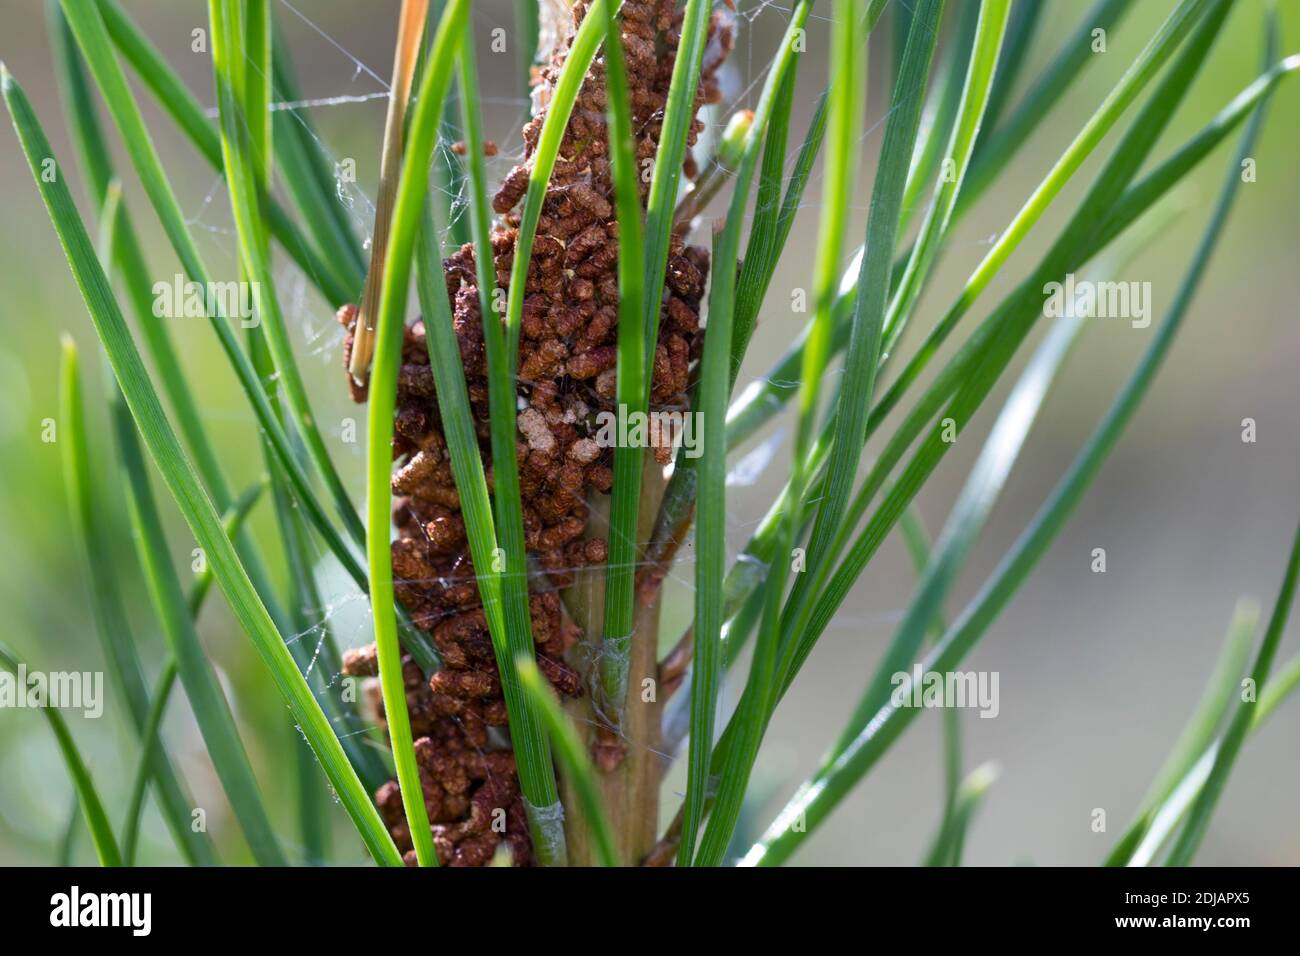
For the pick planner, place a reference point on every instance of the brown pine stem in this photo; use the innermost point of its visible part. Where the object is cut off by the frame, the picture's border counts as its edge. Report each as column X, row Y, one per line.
column 630, row 767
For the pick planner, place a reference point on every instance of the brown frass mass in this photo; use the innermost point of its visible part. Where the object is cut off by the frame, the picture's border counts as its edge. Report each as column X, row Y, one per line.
column 566, row 375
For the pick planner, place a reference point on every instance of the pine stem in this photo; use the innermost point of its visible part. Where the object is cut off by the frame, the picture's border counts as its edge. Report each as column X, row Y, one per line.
column 631, row 788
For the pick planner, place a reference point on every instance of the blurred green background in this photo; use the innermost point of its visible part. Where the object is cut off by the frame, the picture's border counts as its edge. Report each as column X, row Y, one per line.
column 1097, row 671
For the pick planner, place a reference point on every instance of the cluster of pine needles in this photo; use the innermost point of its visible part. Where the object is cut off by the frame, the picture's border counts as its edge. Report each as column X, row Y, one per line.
column 960, row 104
